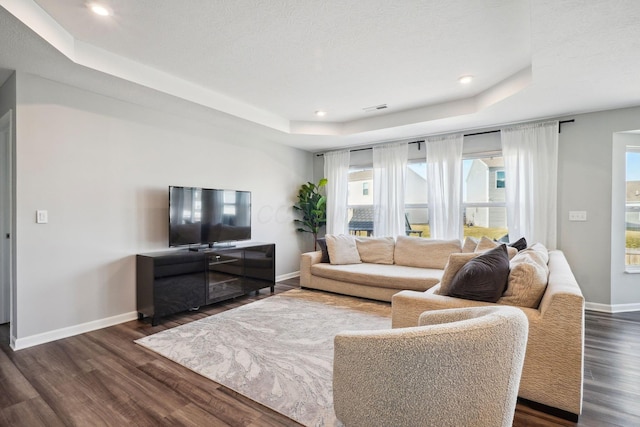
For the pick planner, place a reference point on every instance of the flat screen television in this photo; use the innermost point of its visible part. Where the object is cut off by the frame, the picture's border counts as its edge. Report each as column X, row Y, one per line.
column 206, row 216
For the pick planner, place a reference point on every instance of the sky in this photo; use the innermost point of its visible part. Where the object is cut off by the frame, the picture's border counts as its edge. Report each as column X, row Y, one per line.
column 633, row 166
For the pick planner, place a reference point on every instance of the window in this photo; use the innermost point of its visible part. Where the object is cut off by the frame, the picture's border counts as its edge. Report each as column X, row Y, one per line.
column 416, row 200
column 483, row 196
column 632, row 207
column 499, row 179
column 360, row 201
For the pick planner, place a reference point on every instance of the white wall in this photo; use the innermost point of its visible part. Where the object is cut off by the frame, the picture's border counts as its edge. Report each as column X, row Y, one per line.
column 102, row 167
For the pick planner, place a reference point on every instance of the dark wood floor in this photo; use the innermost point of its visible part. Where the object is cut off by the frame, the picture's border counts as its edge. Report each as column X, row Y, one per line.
column 103, row 378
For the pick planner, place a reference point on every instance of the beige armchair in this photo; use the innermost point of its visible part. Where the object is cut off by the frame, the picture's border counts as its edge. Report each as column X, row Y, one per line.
column 459, row 367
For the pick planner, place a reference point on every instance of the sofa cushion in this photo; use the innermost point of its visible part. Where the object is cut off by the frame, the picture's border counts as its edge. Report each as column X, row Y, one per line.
column 541, row 250
column 455, row 263
column 469, row 245
column 527, row 281
column 380, row 275
column 342, row 249
column 483, row 278
column 425, row 253
column 377, row 250
column 486, row 244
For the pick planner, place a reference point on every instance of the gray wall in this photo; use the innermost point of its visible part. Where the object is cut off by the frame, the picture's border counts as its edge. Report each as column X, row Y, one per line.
column 585, row 184
column 101, row 167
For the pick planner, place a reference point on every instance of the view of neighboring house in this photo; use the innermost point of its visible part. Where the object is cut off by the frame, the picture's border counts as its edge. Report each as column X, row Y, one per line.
column 485, row 182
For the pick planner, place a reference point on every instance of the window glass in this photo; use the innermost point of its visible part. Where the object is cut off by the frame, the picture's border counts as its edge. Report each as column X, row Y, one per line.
column 360, row 201
column 632, row 212
column 416, row 199
column 483, row 196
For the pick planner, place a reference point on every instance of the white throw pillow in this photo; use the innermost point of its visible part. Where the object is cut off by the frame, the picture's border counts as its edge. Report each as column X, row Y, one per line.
column 342, row 249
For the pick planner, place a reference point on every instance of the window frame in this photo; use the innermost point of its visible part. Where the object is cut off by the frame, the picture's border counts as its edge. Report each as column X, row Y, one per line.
column 635, row 207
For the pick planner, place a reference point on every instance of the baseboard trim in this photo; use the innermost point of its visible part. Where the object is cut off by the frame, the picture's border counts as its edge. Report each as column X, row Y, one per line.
column 26, row 342
column 612, row 308
column 287, row 276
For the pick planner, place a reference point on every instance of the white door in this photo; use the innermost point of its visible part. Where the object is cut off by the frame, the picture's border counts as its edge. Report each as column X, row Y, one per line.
column 5, row 217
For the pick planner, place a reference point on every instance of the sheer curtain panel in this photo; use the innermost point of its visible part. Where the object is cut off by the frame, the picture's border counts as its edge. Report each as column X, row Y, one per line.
column 444, row 178
column 389, row 174
column 336, row 170
column 530, row 155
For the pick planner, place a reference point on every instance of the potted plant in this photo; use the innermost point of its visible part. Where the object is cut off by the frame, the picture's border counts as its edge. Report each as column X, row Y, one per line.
column 312, row 206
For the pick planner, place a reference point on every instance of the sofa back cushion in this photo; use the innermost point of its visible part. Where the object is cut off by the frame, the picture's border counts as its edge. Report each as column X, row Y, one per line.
column 342, row 249
column 425, row 253
column 486, row 244
column 376, row 250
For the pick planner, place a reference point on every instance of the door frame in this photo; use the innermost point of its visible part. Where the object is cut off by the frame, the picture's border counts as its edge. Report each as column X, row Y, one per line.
column 6, row 216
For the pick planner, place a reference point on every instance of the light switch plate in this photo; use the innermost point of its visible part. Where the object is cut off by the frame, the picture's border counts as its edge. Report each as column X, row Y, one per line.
column 577, row 215
column 42, row 217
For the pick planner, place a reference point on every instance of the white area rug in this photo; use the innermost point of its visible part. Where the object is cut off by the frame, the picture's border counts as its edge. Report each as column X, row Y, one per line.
column 277, row 351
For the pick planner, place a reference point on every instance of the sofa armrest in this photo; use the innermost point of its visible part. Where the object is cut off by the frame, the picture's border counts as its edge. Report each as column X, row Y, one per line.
column 407, row 306
column 306, row 261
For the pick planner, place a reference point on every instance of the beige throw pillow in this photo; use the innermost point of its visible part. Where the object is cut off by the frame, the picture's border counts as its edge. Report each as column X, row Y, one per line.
column 342, row 249
column 377, row 250
column 527, row 281
column 469, row 245
column 486, row 244
column 455, row 263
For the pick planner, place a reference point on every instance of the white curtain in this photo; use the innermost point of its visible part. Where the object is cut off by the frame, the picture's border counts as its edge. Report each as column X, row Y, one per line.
column 336, row 170
column 531, row 170
column 389, row 175
column 444, row 178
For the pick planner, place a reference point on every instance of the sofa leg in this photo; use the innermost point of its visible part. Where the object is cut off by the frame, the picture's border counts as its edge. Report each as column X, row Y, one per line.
column 556, row 412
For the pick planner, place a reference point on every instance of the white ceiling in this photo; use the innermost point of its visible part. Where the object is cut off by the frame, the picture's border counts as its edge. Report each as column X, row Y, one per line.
column 265, row 66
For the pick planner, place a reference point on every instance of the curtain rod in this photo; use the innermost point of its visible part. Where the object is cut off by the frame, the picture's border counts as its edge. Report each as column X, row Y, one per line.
column 466, row 134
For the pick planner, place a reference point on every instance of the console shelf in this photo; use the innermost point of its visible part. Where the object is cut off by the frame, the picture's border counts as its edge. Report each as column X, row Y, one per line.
column 172, row 281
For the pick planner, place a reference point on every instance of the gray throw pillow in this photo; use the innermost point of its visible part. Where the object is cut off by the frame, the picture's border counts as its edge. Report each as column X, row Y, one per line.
column 483, row 278
column 322, row 242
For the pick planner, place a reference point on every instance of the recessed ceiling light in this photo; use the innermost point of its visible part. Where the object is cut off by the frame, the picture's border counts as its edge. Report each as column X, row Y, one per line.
column 99, row 9
column 465, row 80
column 321, row 113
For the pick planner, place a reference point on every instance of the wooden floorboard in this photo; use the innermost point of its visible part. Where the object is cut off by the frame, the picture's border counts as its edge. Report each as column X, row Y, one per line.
column 102, row 378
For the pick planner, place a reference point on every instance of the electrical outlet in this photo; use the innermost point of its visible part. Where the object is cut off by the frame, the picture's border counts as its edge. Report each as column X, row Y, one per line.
column 42, row 217
column 577, row 215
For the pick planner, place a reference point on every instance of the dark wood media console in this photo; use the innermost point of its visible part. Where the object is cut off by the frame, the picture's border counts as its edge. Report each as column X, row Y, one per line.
column 172, row 281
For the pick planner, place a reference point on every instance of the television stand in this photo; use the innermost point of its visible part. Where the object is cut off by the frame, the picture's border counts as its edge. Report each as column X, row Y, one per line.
column 216, row 245
column 173, row 281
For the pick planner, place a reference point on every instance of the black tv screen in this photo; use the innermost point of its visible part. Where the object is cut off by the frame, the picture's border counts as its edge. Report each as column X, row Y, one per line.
column 199, row 216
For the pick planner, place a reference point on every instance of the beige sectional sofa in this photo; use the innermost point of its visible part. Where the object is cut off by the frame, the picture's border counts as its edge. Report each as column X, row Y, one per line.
column 410, row 263
column 416, row 282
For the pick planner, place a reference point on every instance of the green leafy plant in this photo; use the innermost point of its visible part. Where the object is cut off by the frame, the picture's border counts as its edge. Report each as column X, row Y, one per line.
column 312, row 207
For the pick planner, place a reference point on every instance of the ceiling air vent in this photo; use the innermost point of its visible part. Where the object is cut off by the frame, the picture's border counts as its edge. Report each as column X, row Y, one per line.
column 375, row 108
